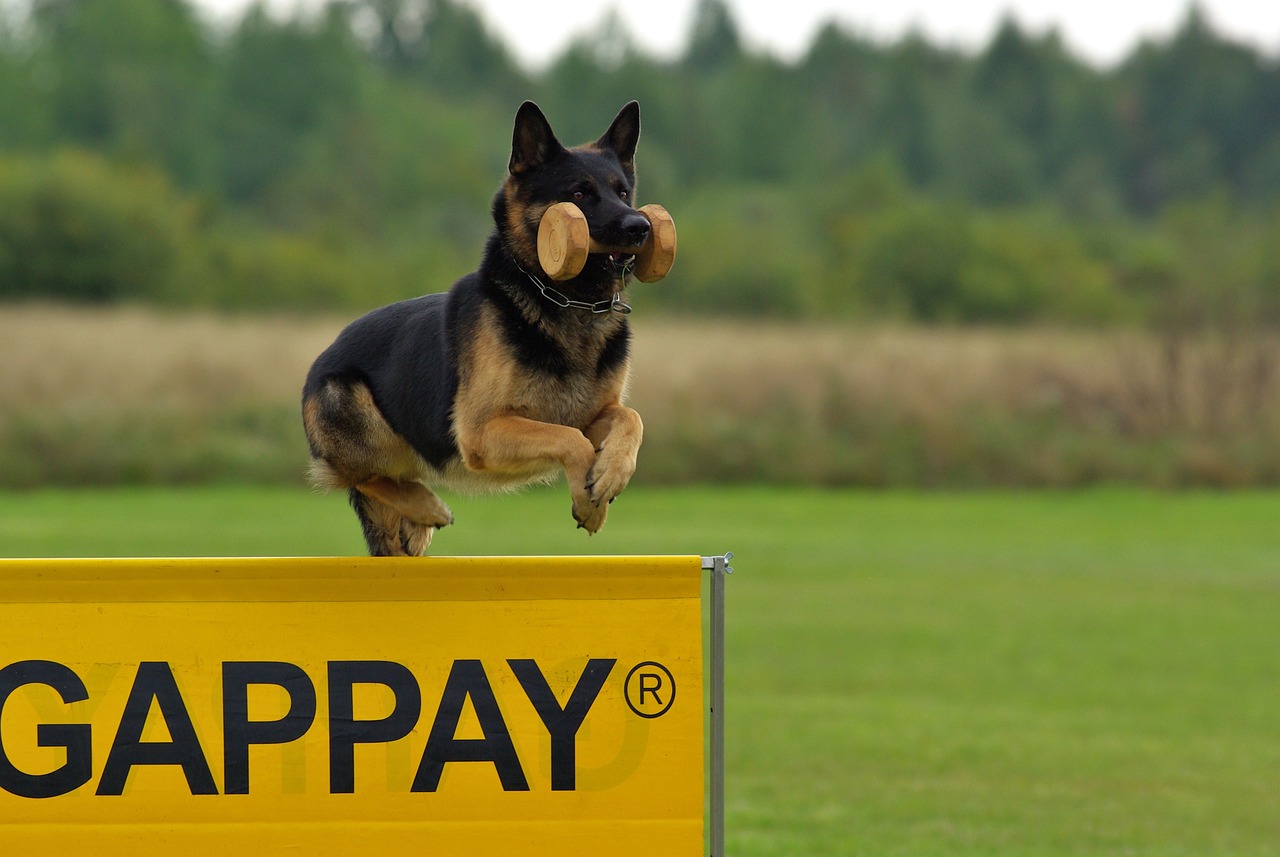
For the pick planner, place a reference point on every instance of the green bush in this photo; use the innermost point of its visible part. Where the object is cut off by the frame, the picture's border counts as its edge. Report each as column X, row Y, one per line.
column 913, row 259
column 752, row 255
column 73, row 226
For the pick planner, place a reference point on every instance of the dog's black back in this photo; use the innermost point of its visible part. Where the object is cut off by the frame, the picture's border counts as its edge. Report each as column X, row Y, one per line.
column 405, row 346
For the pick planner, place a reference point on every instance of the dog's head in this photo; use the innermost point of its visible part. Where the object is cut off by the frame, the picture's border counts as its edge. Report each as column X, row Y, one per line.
column 599, row 178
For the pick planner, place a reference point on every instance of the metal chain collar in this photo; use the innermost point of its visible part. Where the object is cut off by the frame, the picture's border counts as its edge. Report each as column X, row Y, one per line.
column 560, row 299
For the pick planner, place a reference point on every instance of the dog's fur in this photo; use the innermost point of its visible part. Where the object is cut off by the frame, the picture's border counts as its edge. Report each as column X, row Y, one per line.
column 491, row 385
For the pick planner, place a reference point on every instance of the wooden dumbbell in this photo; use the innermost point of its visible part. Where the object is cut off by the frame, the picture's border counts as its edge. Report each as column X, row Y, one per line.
column 564, row 242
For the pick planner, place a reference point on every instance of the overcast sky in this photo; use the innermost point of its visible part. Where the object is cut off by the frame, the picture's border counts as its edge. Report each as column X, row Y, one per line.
column 1102, row 31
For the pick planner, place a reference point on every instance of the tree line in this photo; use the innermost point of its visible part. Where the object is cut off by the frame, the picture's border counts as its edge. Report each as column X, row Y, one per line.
column 346, row 157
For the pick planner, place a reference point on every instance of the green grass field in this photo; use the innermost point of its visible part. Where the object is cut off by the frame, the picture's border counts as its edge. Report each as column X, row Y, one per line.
column 1093, row 673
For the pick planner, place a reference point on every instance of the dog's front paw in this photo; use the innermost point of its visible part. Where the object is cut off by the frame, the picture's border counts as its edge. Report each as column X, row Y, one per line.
column 605, row 480
column 587, row 512
column 614, row 467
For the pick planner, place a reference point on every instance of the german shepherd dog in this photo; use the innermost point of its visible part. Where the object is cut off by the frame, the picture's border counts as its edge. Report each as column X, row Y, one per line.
column 501, row 381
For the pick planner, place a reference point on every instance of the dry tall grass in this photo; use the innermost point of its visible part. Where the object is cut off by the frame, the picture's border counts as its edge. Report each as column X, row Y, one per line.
column 98, row 395
column 59, row 357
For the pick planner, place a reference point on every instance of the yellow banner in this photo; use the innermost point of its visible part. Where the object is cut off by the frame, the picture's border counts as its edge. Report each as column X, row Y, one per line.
column 510, row 706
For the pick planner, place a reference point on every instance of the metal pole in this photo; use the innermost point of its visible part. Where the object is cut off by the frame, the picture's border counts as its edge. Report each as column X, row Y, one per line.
column 719, row 567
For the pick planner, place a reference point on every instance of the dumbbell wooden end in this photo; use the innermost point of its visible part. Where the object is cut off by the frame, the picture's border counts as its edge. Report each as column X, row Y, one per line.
column 564, row 241
column 659, row 252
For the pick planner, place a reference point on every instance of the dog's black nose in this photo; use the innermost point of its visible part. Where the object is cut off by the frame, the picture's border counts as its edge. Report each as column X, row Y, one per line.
column 636, row 229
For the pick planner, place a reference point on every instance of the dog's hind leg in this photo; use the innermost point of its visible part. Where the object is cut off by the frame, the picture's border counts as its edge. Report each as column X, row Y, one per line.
column 381, row 524
column 403, row 515
column 415, row 538
column 411, row 499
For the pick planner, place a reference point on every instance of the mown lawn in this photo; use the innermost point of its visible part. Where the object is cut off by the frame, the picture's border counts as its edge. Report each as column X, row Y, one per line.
column 1092, row 673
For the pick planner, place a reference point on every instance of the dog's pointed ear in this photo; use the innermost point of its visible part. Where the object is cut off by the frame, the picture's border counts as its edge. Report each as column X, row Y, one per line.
column 533, row 141
column 623, row 134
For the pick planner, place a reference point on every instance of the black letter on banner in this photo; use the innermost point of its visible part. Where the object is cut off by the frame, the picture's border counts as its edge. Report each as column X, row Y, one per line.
column 75, row 737
column 345, row 731
column 646, row 688
column 238, row 731
column 467, row 678
column 563, row 724
column 155, row 682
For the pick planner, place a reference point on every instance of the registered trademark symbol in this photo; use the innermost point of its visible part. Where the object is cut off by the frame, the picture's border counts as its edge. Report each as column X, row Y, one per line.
column 650, row 689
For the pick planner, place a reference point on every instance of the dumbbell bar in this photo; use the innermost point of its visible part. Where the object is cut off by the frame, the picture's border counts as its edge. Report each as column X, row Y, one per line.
column 564, row 241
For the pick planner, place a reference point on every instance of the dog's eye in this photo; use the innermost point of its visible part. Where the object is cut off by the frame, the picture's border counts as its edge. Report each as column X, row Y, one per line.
column 622, row 194
column 577, row 194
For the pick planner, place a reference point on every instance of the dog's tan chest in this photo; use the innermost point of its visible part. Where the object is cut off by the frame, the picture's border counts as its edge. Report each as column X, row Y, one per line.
column 491, row 382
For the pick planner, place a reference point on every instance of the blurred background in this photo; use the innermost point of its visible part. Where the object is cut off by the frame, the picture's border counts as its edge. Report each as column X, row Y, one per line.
column 909, row 256
column 925, row 245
